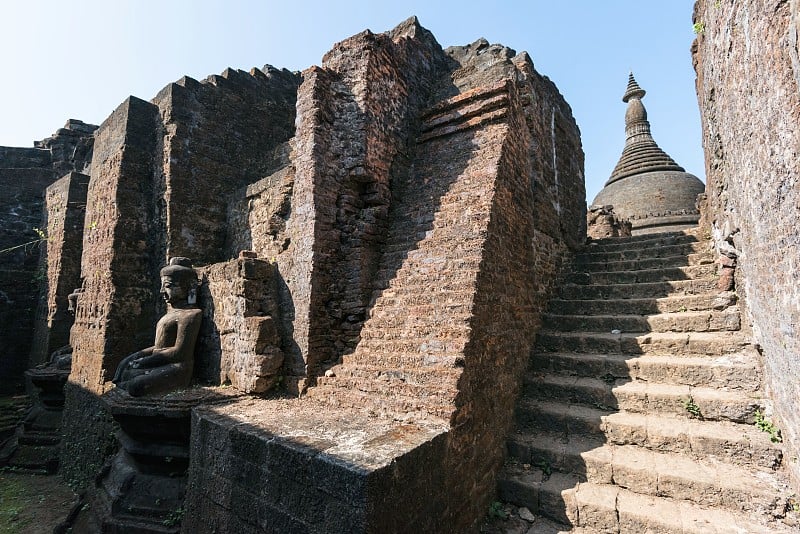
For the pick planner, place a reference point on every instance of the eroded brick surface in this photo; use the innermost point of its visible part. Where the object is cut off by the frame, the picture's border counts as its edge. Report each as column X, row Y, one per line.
column 746, row 61
column 240, row 341
column 161, row 180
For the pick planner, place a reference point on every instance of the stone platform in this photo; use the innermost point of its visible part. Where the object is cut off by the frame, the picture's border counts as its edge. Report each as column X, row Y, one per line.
column 295, row 465
column 142, row 487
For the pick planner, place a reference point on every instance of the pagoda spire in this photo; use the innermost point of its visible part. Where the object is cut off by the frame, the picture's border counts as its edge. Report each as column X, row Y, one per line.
column 641, row 153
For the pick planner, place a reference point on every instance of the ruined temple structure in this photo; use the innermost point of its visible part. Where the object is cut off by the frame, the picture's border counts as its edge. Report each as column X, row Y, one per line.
column 375, row 240
column 646, row 187
column 402, row 324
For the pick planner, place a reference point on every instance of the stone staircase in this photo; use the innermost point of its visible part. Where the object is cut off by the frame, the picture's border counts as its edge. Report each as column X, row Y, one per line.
column 638, row 409
column 410, row 353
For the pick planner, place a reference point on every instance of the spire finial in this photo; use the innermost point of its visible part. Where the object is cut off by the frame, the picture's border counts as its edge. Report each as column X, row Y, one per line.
column 633, row 90
column 641, row 153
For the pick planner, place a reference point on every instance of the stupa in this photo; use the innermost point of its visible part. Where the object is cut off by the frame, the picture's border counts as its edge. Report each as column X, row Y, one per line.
column 647, row 187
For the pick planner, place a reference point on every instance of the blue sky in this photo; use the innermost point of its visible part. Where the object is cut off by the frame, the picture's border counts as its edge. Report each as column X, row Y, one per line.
column 80, row 59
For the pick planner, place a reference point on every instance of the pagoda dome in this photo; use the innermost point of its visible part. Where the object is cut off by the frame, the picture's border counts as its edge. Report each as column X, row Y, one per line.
column 646, row 186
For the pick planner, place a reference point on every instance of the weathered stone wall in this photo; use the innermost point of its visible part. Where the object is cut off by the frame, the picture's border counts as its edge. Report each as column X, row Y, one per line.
column 556, row 157
column 257, row 215
column 161, row 176
column 292, row 466
column 65, row 208
column 20, row 213
column 70, row 147
column 24, row 175
column 88, row 436
column 115, row 314
column 748, row 83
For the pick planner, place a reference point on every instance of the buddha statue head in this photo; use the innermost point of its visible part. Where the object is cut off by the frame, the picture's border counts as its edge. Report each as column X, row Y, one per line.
column 179, row 282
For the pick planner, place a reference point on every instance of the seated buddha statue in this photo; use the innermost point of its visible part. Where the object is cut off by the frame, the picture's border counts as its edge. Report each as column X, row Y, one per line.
column 169, row 363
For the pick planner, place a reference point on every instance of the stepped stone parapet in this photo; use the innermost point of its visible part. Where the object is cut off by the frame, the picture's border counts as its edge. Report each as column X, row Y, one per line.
column 399, row 291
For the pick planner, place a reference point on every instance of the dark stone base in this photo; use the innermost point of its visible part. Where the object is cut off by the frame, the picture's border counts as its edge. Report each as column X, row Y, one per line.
column 88, row 439
column 126, row 500
column 141, row 489
column 36, row 445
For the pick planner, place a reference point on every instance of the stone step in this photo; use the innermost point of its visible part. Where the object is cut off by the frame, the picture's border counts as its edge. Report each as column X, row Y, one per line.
column 443, row 389
column 734, row 443
column 398, row 375
column 396, row 359
column 433, row 257
column 601, row 508
column 643, row 397
column 588, row 265
column 645, row 306
column 702, row 482
column 731, row 442
column 459, row 277
column 39, row 438
column 644, row 252
column 550, row 495
column 656, row 343
column 661, row 274
column 424, row 242
column 401, row 340
column 737, row 371
column 638, row 291
column 377, row 396
column 393, row 298
column 417, row 320
column 652, row 240
column 398, row 404
column 402, row 249
column 694, row 321
column 645, row 513
column 10, row 420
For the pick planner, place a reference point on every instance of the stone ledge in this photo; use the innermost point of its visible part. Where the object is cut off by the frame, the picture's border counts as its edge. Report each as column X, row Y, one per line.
column 371, row 470
column 172, row 404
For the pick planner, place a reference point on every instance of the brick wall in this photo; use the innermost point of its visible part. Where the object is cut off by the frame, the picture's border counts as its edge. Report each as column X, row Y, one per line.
column 24, row 175
column 20, row 212
column 116, row 313
column 240, row 339
column 65, row 208
column 748, row 84
column 218, row 135
column 355, row 116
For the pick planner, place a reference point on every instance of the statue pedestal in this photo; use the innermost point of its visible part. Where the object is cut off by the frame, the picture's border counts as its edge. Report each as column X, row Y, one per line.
column 38, row 437
column 142, row 488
